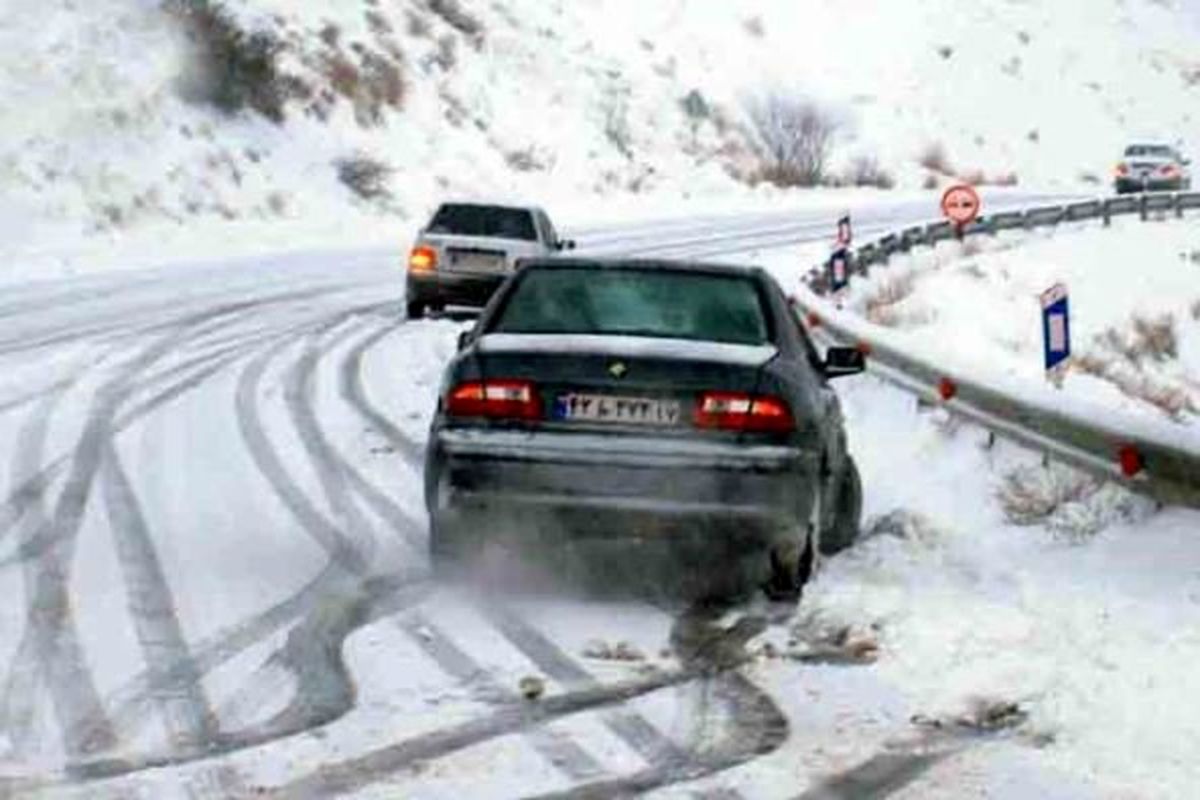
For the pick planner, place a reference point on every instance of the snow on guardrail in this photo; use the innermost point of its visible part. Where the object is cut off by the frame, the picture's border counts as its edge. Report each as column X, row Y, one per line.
column 1156, row 457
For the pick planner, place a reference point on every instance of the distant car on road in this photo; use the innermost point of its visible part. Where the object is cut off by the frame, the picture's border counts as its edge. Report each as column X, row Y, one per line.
column 674, row 406
column 1152, row 167
column 468, row 249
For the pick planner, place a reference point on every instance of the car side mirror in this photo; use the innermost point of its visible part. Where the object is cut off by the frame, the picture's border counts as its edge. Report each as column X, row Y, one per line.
column 464, row 339
column 842, row 361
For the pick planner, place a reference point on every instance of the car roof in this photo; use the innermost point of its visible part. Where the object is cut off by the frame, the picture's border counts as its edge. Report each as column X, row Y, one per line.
column 666, row 265
column 488, row 204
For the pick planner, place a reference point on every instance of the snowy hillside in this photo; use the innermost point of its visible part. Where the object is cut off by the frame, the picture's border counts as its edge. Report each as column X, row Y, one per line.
column 116, row 113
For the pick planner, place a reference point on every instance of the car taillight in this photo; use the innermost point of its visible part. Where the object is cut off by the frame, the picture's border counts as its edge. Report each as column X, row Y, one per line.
column 422, row 259
column 736, row 411
column 496, row 399
column 1167, row 169
column 1122, row 169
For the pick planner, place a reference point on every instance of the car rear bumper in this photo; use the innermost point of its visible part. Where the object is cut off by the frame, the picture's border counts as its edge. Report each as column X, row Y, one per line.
column 448, row 288
column 623, row 486
column 1137, row 185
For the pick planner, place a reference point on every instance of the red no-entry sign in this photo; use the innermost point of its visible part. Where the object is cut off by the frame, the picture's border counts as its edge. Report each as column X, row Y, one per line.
column 960, row 204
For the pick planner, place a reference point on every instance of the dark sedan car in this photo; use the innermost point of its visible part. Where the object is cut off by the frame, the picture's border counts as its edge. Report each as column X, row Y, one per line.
column 636, row 404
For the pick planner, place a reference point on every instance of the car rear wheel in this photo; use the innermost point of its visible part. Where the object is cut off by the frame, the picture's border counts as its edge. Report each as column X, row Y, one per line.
column 791, row 563
column 414, row 310
column 847, row 512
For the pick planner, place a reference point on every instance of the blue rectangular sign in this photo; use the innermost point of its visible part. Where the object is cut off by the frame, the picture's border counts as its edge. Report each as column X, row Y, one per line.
column 1056, row 327
column 839, row 270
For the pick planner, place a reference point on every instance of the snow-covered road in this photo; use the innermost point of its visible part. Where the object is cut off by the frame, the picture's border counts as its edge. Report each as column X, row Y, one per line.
column 212, row 545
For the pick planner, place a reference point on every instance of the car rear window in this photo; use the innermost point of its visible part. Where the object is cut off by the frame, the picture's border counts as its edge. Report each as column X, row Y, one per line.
column 470, row 220
column 658, row 303
column 1149, row 150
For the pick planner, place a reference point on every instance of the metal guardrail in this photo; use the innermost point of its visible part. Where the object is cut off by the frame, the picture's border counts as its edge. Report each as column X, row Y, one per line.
column 1155, row 458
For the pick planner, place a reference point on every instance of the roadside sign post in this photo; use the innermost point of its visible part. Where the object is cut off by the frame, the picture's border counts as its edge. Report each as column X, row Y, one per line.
column 838, row 266
column 844, row 232
column 1056, row 332
column 838, row 272
column 960, row 205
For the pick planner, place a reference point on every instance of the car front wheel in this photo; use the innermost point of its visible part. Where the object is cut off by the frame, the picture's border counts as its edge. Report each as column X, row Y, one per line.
column 847, row 512
column 414, row 310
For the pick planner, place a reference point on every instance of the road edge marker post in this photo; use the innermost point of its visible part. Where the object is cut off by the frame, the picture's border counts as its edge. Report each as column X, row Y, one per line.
column 838, row 266
column 1056, row 333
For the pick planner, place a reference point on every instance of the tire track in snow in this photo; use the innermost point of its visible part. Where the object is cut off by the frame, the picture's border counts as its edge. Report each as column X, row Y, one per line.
column 50, row 646
column 759, row 728
column 354, row 392
column 18, row 705
column 174, row 677
column 15, row 505
column 47, row 624
column 878, row 777
column 559, row 749
column 630, row 727
column 312, row 652
column 340, row 548
column 758, row 725
column 355, row 773
column 313, row 648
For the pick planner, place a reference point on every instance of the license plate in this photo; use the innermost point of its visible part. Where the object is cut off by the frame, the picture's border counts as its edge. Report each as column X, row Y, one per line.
column 476, row 262
column 616, row 409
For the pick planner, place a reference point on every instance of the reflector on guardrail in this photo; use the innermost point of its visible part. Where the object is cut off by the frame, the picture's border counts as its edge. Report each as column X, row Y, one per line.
column 1130, row 459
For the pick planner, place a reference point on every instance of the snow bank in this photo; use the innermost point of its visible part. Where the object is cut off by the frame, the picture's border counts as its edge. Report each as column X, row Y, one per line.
column 1135, row 311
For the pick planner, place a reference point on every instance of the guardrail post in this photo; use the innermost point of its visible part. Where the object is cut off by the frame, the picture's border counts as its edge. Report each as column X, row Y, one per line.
column 1144, row 207
column 1177, row 201
column 1106, row 212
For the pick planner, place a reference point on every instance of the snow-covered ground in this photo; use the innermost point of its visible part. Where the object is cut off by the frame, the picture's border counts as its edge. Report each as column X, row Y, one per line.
column 1135, row 309
column 211, row 527
column 214, row 535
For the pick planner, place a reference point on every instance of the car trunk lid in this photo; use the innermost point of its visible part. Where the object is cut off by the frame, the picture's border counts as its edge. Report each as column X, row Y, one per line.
column 590, row 382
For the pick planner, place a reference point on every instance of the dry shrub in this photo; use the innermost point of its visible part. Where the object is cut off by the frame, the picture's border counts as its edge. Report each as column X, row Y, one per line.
column 881, row 304
column 526, row 160
column 754, row 27
column 1123, row 357
column 1067, row 502
column 1146, row 337
column 417, row 24
column 1031, row 495
column 865, row 171
column 930, row 182
column 1156, row 336
column 230, row 68
column 971, row 247
column 447, row 52
column 372, row 85
column 935, row 159
column 795, row 136
column 378, row 23
column 453, row 15
column 365, row 175
column 974, row 177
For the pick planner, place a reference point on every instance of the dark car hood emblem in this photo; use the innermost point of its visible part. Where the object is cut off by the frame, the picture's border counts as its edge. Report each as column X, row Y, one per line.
column 617, row 369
